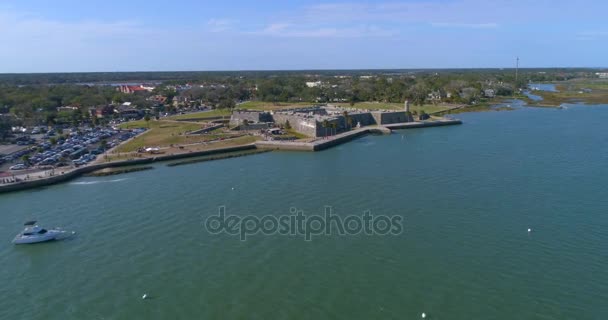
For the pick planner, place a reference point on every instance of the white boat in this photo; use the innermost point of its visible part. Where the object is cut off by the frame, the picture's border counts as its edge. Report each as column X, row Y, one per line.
column 34, row 234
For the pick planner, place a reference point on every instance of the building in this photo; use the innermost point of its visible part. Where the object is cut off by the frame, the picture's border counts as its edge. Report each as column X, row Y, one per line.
column 489, row 93
column 102, row 111
column 66, row 108
column 128, row 111
column 313, row 84
column 602, row 75
column 316, row 121
column 157, row 99
column 133, row 89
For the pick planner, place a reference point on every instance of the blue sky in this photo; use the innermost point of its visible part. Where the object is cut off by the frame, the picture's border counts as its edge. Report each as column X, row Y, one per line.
column 134, row 35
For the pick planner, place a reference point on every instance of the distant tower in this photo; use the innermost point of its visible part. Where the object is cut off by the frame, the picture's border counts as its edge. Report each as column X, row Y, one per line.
column 406, row 105
column 516, row 69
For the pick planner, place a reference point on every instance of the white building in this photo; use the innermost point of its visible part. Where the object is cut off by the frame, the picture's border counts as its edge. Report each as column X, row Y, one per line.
column 602, row 75
column 313, row 84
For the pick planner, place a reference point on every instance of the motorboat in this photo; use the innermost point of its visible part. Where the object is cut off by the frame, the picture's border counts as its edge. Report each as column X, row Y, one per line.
column 35, row 234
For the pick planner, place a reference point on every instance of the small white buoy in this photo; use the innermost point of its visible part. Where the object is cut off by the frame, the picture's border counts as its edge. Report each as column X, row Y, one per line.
column 529, row 229
column 232, row 188
column 145, row 296
column 423, row 315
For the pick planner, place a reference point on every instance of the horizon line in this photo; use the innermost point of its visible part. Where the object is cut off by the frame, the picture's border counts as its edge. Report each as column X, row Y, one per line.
column 301, row 70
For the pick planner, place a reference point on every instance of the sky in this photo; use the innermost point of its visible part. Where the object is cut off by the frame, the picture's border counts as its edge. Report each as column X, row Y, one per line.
column 134, row 35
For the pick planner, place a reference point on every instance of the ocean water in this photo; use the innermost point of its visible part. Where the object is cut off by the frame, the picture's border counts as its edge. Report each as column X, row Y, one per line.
column 467, row 195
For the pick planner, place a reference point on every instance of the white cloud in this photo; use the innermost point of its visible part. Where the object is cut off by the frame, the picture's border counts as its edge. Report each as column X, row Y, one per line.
column 276, row 28
column 220, row 25
column 464, row 25
column 299, row 31
column 43, row 45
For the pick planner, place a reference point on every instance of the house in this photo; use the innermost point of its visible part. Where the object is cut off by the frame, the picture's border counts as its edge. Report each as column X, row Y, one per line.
column 180, row 101
column 66, row 108
column 133, row 89
column 489, row 93
column 102, row 111
column 602, row 75
column 128, row 111
column 435, row 96
column 157, row 99
column 313, row 84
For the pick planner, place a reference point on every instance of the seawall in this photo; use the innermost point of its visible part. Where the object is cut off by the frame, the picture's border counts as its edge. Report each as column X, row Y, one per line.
column 72, row 174
column 317, row 145
column 425, row 124
column 333, row 141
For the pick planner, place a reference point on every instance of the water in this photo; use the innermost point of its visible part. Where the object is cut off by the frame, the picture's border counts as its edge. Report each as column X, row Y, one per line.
column 467, row 193
column 543, row 87
column 550, row 87
column 533, row 97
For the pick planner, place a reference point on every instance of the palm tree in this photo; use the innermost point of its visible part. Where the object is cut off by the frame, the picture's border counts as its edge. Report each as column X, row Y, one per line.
column 325, row 125
column 334, row 126
column 147, row 119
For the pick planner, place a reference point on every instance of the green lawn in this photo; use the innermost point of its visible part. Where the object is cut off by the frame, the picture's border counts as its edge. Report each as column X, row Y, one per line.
column 161, row 133
column 296, row 134
column 263, row 105
column 202, row 115
column 571, row 92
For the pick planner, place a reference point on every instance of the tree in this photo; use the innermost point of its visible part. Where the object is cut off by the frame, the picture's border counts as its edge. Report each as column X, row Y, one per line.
column 103, row 144
column 53, row 141
column 287, row 125
column 227, row 104
column 334, row 127
column 5, row 128
column 76, row 117
column 147, row 119
column 26, row 159
column 325, row 124
column 347, row 120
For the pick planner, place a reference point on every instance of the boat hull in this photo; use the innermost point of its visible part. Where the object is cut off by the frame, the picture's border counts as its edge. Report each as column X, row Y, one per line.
column 49, row 236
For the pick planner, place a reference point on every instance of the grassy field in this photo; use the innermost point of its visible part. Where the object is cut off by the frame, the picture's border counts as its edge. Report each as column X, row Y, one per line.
column 127, row 154
column 202, row 115
column 572, row 91
column 263, row 105
column 297, row 135
column 162, row 133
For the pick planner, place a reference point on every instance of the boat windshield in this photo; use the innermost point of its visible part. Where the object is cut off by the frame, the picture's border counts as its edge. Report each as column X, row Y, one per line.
column 43, row 231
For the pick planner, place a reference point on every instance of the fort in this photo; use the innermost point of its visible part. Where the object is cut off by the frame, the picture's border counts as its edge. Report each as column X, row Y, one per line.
column 321, row 121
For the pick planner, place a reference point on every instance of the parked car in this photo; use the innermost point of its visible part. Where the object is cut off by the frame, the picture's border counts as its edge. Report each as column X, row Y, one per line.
column 19, row 166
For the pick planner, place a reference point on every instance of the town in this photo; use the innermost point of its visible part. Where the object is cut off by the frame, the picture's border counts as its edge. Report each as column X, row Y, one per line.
column 48, row 130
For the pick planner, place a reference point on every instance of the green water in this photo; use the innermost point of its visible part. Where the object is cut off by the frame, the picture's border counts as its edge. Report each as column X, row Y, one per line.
column 467, row 194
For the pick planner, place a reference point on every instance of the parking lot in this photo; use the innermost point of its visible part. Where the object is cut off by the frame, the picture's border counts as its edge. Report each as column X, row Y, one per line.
column 74, row 147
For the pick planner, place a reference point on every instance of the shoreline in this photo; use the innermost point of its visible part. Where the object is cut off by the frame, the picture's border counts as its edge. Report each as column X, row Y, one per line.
column 261, row 146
